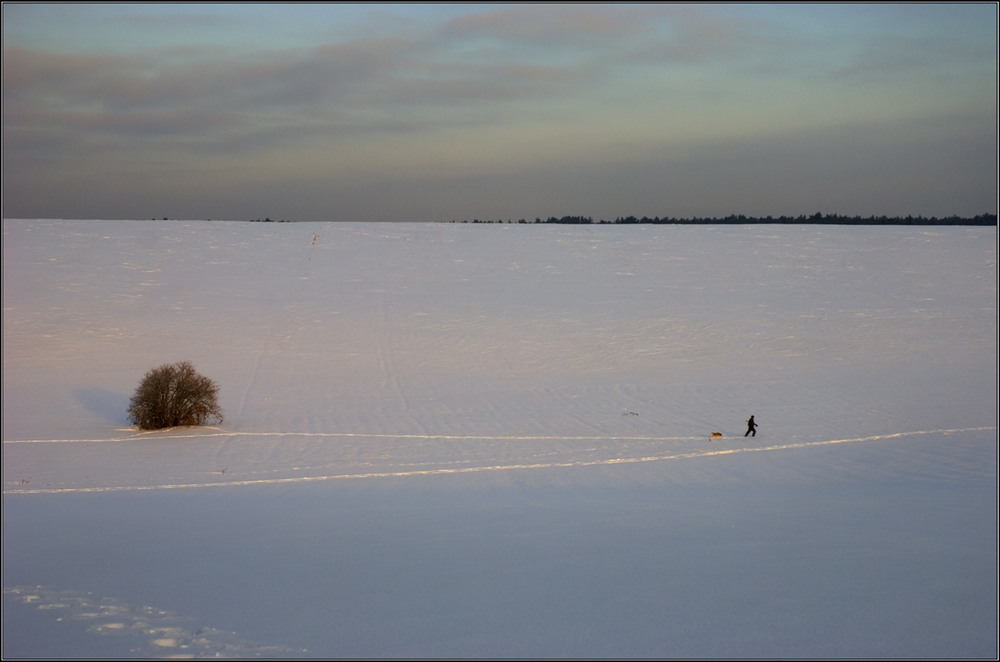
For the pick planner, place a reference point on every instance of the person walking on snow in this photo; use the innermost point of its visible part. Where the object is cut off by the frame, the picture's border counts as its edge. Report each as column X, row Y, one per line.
column 751, row 428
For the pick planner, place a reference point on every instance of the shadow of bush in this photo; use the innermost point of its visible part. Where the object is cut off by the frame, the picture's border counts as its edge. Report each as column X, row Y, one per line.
column 107, row 404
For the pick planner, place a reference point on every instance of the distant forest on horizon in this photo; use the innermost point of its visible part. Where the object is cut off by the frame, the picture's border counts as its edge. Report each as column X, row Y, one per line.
column 734, row 219
column 740, row 219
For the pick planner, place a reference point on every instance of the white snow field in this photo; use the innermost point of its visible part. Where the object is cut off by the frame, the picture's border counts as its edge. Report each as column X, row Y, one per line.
column 466, row 440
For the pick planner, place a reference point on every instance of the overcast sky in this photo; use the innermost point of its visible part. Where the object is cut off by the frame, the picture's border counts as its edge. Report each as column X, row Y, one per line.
column 416, row 112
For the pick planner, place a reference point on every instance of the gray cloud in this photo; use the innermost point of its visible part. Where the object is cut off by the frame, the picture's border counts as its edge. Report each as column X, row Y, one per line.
column 166, row 127
column 929, row 166
column 325, row 87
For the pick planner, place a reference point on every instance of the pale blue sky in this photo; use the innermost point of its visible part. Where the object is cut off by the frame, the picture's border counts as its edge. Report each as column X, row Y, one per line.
column 461, row 111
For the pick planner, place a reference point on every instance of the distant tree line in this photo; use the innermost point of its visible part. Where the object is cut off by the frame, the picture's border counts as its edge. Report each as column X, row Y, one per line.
column 734, row 219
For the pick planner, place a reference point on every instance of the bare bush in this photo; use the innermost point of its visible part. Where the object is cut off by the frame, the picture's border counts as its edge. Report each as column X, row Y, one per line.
column 173, row 395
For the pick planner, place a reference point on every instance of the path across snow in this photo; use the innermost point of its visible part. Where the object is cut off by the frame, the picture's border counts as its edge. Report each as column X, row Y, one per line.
column 352, row 456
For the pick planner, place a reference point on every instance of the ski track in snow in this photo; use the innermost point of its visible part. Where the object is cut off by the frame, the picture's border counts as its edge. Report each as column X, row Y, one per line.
column 459, row 470
column 272, row 331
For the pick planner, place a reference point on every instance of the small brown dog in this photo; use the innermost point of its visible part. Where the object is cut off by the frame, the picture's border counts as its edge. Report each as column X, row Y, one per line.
column 716, row 435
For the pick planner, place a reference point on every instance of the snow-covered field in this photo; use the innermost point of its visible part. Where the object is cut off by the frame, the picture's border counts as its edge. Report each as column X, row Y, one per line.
column 495, row 440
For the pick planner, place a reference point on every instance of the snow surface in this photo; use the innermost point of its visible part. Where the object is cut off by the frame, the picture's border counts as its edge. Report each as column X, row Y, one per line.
column 495, row 441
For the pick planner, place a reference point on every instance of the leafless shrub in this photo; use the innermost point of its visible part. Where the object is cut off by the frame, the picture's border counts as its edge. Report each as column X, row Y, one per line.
column 173, row 395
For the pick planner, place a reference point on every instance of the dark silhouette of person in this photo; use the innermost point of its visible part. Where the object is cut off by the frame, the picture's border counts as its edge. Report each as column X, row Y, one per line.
column 751, row 428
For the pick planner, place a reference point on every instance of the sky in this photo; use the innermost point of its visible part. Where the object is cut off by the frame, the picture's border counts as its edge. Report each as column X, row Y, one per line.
column 441, row 112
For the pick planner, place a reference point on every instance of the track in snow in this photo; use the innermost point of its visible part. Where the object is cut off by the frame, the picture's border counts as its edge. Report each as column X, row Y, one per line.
column 703, row 452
